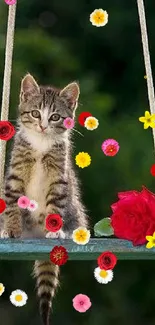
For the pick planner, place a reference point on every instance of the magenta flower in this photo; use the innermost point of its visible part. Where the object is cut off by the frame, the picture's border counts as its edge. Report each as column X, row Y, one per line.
column 33, row 205
column 68, row 123
column 81, row 303
column 23, row 202
column 10, row 2
column 110, row 147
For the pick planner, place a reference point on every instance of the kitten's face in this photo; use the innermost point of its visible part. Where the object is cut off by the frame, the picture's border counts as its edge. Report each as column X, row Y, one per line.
column 44, row 109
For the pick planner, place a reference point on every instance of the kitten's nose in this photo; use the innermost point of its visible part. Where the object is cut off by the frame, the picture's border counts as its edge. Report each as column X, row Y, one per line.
column 43, row 128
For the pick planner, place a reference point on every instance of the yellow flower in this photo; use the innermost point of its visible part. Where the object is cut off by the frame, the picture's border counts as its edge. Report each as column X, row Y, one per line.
column 99, row 17
column 91, row 123
column 148, row 120
column 151, row 241
column 2, row 289
column 145, row 77
column 83, row 159
column 81, row 236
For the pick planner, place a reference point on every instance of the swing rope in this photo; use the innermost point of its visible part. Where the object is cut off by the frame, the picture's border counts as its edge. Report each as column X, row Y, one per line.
column 6, row 85
column 147, row 61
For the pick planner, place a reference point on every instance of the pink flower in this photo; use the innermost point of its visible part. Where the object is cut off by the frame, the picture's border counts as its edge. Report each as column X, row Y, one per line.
column 33, row 205
column 68, row 123
column 110, row 147
column 81, row 303
column 23, row 202
column 10, row 2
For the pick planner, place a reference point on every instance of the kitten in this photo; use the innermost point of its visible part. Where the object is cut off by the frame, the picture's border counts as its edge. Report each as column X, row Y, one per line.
column 41, row 168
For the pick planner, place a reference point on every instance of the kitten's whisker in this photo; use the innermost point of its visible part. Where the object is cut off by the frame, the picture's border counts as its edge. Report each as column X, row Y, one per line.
column 78, row 132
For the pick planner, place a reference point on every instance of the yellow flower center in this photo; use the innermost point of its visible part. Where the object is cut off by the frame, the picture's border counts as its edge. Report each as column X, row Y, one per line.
column 1, row 288
column 81, row 235
column 99, row 17
column 103, row 273
column 19, row 298
column 148, row 120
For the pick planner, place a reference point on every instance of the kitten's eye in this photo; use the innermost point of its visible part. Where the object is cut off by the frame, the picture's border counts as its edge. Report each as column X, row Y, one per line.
column 35, row 113
column 55, row 117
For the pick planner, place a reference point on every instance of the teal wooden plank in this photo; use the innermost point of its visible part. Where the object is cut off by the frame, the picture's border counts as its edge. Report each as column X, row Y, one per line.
column 32, row 249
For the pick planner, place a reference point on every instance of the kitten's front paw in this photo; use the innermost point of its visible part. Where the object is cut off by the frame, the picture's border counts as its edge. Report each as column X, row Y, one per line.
column 4, row 234
column 13, row 228
column 54, row 235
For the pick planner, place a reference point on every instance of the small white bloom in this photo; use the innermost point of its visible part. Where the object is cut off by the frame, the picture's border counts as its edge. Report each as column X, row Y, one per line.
column 91, row 123
column 33, row 205
column 2, row 289
column 103, row 276
column 18, row 298
column 81, row 236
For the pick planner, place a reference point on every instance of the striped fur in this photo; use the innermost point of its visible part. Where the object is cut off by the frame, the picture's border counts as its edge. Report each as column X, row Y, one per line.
column 41, row 168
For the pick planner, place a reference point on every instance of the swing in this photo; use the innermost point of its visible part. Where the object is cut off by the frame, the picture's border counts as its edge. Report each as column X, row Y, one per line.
column 18, row 249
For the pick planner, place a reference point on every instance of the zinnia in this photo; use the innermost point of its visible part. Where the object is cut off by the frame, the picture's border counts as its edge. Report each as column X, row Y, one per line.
column 7, row 130
column 53, row 222
column 59, row 255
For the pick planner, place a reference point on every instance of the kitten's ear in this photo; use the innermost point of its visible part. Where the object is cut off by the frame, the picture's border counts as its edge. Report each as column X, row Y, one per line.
column 71, row 92
column 29, row 85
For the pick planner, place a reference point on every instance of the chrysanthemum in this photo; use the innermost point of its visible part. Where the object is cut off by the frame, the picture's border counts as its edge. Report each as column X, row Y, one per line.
column 2, row 289
column 83, row 159
column 91, row 123
column 68, row 123
column 148, row 120
column 23, row 202
column 110, row 147
column 151, row 241
column 81, row 236
column 18, row 298
column 59, row 255
column 99, row 17
column 103, row 276
column 33, row 205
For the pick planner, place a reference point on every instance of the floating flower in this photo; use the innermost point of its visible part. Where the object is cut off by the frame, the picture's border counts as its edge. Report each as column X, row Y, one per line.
column 107, row 261
column 33, row 205
column 2, row 205
column 53, row 222
column 151, row 241
column 10, row 2
column 59, row 255
column 68, row 123
column 99, row 17
column 7, row 130
column 91, row 123
column 148, row 120
column 81, row 236
column 103, row 276
column 110, row 147
column 152, row 170
column 2, row 289
column 83, row 159
column 82, row 117
column 81, row 303
column 145, row 77
column 23, row 202
column 18, row 298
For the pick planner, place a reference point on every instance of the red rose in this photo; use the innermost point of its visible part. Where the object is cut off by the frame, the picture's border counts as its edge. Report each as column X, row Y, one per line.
column 53, row 222
column 107, row 261
column 133, row 216
column 7, row 130
column 82, row 117
column 59, row 255
column 2, row 205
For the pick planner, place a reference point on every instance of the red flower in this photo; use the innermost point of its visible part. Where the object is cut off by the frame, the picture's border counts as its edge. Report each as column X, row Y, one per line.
column 53, row 222
column 7, row 130
column 152, row 170
column 2, row 205
column 82, row 117
column 133, row 216
column 59, row 255
column 107, row 261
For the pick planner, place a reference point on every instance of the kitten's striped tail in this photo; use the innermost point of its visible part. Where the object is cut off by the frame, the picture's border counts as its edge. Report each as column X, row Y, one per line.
column 46, row 274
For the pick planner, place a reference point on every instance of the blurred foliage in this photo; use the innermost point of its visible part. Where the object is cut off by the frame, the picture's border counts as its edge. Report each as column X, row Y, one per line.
column 56, row 43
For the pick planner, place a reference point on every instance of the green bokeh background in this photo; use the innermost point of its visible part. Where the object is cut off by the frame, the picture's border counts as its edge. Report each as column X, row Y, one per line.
column 56, row 43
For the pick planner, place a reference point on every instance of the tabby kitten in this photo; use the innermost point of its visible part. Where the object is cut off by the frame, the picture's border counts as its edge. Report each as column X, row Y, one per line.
column 41, row 169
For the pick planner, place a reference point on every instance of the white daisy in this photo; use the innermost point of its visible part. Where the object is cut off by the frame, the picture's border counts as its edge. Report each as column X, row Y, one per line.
column 91, row 123
column 2, row 289
column 33, row 205
column 18, row 298
column 103, row 276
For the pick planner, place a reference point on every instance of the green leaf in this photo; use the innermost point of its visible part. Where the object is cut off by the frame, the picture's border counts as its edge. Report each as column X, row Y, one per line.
column 103, row 228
